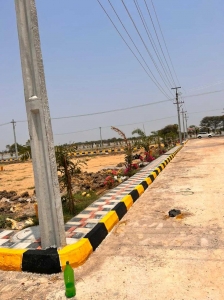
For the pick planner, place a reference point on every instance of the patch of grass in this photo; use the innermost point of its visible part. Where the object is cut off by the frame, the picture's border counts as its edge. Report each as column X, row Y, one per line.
column 4, row 223
column 81, row 202
column 35, row 221
column 66, row 214
column 78, row 196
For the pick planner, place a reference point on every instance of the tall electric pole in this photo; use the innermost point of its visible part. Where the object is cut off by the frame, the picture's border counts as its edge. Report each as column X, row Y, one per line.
column 223, row 119
column 50, row 214
column 186, row 125
column 182, row 112
column 143, row 127
column 178, row 112
column 101, row 142
column 14, row 133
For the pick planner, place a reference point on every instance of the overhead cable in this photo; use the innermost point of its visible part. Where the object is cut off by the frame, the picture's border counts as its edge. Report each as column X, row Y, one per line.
column 147, row 49
column 120, row 125
column 154, row 27
column 112, row 110
column 133, row 42
column 152, row 77
column 126, row 108
column 164, row 41
column 128, row 124
column 151, row 40
column 5, row 124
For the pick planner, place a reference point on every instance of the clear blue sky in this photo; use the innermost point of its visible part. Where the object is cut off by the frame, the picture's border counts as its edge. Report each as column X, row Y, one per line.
column 88, row 67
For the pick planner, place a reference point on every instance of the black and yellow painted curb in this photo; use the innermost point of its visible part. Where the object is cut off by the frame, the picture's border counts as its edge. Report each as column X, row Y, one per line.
column 101, row 151
column 9, row 160
column 98, row 151
column 53, row 260
column 80, row 153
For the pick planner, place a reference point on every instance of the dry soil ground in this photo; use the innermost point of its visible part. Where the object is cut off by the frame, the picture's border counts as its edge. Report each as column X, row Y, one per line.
column 148, row 256
column 19, row 177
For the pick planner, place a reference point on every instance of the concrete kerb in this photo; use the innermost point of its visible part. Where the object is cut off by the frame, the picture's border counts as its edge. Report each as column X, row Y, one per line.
column 53, row 260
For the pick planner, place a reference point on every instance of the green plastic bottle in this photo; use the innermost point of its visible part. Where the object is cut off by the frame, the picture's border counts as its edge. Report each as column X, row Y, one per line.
column 69, row 280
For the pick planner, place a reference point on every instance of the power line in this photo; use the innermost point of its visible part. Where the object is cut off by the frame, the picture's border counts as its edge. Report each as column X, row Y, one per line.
column 164, row 41
column 128, row 124
column 206, row 86
column 197, row 112
column 79, row 131
column 115, row 125
column 130, row 107
column 122, row 109
column 113, row 110
column 133, row 42
column 154, row 80
column 196, row 95
column 159, row 41
column 147, row 49
column 5, row 124
column 151, row 39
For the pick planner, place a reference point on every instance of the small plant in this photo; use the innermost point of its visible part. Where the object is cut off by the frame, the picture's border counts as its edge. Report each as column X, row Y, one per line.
column 81, row 202
column 149, row 157
column 67, row 168
column 128, row 149
column 144, row 140
column 109, row 182
column 4, row 223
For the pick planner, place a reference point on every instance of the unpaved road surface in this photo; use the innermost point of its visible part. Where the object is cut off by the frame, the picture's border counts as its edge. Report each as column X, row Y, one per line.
column 148, row 256
column 19, row 176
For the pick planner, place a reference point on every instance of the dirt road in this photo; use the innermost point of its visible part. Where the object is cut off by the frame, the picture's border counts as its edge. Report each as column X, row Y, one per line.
column 149, row 256
column 19, row 177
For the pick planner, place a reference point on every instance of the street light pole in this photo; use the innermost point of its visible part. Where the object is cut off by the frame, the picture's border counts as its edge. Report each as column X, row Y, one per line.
column 223, row 119
column 143, row 127
column 182, row 112
column 14, row 133
column 178, row 113
column 101, row 142
column 186, row 125
column 39, row 123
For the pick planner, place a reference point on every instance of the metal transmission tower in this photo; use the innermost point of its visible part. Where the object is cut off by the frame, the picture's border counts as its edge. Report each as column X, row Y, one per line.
column 14, row 133
column 52, row 230
column 178, row 112
column 186, row 118
column 183, row 112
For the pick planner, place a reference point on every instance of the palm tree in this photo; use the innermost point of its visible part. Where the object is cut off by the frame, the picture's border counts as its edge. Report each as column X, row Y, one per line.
column 144, row 141
column 157, row 138
column 128, row 149
column 25, row 153
column 67, row 168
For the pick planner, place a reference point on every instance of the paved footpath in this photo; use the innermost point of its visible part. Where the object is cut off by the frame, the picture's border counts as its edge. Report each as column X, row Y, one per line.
column 148, row 256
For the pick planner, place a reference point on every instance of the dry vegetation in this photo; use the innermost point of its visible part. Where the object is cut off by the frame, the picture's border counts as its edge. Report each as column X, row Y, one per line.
column 19, row 176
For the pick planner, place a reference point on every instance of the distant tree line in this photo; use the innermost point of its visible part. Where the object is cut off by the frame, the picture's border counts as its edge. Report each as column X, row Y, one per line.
column 212, row 123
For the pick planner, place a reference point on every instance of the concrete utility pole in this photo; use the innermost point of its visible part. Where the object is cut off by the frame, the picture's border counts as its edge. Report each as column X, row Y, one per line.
column 223, row 119
column 178, row 112
column 186, row 125
column 41, row 137
column 101, row 142
column 182, row 112
column 143, row 127
column 14, row 133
